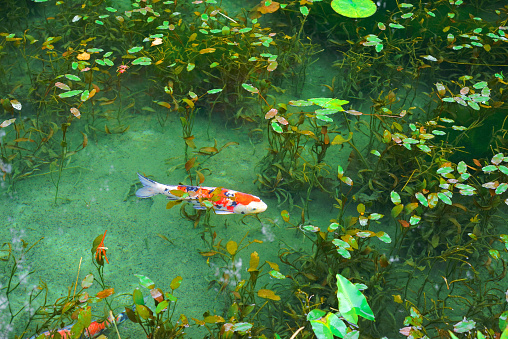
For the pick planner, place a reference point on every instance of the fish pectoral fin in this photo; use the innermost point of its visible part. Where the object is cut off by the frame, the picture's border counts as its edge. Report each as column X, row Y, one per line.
column 146, row 192
column 223, row 212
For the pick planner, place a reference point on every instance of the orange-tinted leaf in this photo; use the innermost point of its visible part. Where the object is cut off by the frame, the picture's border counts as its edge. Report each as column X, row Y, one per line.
column 208, row 150
column 164, row 104
column 83, row 56
column 404, row 223
column 285, row 215
column 92, row 93
column 23, row 139
column 156, row 294
column 105, row 293
column 189, row 164
column 281, row 120
column 263, row 9
column 63, row 86
column 271, row 113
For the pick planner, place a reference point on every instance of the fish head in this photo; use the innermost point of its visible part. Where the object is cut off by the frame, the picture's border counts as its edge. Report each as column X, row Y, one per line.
column 252, row 207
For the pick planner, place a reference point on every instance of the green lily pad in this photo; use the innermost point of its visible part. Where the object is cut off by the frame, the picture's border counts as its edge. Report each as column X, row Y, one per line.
column 354, row 8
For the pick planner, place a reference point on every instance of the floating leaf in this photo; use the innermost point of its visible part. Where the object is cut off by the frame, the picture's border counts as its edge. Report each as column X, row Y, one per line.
column 272, row 66
column 444, row 198
column 276, row 127
column 397, row 26
column 62, row 86
column 480, row 85
column 497, row 159
column 271, row 113
column 395, row 197
column 145, row 61
column 250, row 88
column 501, row 188
column 384, row 237
column 305, row 10
column 489, row 168
column 134, row 49
column 214, row 91
column 421, row 198
column 72, row 77
column 70, row 94
column 354, row 9
column 429, row 57
column 277, row 275
column 414, row 220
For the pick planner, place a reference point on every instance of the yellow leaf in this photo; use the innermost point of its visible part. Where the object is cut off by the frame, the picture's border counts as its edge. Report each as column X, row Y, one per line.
column 360, row 208
column 254, row 262
column 397, row 299
column 339, row 139
column 188, row 102
column 213, row 319
column 231, row 246
column 207, row 50
column 268, row 294
column 172, row 203
column 193, row 37
column 273, row 265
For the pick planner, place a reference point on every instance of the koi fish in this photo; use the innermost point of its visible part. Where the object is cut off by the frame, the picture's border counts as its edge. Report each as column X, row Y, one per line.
column 221, row 200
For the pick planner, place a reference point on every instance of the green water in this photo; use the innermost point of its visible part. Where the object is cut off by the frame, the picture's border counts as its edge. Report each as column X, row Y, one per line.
column 97, row 184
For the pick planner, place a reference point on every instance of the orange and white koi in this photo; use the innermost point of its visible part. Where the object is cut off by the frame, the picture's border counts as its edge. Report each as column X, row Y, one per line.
column 221, row 200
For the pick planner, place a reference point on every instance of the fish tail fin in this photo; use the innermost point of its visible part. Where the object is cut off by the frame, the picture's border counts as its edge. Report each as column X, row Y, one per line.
column 149, row 188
